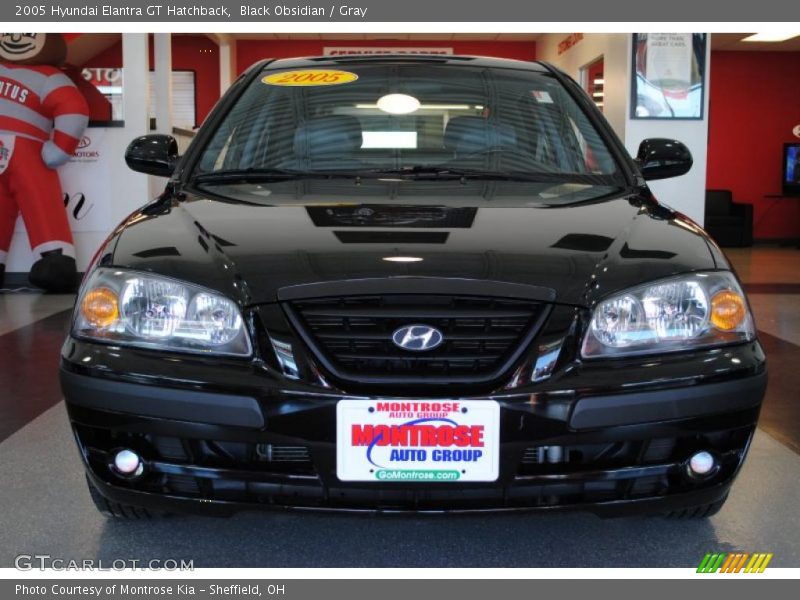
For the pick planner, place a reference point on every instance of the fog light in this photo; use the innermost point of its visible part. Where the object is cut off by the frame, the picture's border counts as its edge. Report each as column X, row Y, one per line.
column 128, row 463
column 701, row 463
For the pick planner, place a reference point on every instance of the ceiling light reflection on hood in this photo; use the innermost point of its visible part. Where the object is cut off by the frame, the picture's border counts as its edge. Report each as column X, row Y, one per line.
column 402, row 259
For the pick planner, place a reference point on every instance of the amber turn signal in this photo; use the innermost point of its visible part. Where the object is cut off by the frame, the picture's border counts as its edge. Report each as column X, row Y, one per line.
column 727, row 310
column 100, row 307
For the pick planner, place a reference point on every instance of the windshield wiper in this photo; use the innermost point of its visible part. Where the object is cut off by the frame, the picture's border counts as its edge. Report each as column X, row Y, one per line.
column 262, row 175
column 416, row 172
column 444, row 172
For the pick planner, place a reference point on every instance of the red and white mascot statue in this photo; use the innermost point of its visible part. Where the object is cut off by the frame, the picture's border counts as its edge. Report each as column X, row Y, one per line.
column 42, row 119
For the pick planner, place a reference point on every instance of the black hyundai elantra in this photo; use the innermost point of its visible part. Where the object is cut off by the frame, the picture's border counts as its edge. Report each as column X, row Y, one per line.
column 403, row 283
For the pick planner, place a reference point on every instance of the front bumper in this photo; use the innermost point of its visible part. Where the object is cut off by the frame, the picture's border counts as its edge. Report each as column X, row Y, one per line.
column 624, row 431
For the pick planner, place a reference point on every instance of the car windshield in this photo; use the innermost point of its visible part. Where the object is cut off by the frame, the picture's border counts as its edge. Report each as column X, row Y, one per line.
column 404, row 120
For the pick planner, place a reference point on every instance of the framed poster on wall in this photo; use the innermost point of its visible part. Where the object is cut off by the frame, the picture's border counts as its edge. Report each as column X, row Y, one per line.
column 668, row 75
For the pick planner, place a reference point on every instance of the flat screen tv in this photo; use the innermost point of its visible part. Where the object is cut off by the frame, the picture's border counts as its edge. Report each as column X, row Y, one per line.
column 791, row 169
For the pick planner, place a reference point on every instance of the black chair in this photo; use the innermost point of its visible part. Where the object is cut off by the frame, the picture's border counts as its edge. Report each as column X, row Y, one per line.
column 728, row 222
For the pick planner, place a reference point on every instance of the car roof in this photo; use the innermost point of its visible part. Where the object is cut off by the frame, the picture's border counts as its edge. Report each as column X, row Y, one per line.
column 362, row 59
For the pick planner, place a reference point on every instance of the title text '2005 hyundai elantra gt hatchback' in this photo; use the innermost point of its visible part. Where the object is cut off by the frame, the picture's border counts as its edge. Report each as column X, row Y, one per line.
column 410, row 283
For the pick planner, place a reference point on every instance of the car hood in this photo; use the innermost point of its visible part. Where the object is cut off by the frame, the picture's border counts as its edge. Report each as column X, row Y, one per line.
column 581, row 251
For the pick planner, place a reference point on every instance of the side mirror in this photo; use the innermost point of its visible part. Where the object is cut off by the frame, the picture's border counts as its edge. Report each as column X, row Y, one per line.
column 154, row 154
column 660, row 158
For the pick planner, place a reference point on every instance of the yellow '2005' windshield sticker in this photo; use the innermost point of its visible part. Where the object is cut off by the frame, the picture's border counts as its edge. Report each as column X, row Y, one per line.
column 309, row 77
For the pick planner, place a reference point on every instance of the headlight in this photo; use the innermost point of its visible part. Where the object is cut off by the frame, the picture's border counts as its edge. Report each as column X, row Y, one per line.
column 702, row 309
column 139, row 309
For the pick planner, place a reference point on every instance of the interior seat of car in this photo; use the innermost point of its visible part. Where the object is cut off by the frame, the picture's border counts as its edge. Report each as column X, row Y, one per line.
column 472, row 135
column 329, row 141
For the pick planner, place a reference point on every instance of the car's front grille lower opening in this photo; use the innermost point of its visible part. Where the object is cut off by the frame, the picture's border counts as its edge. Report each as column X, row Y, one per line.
column 547, row 459
column 176, row 454
column 584, row 459
column 285, row 474
column 354, row 334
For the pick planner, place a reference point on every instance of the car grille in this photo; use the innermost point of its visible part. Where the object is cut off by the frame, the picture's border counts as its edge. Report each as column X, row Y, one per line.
column 352, row 336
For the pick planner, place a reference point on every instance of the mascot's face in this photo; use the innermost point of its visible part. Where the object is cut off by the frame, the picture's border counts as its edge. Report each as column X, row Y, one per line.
column 33, row 48
column 21, row 46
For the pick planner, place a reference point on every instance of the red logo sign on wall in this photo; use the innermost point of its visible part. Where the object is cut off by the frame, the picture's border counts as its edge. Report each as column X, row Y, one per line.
column 83, row 153
column 569, row 42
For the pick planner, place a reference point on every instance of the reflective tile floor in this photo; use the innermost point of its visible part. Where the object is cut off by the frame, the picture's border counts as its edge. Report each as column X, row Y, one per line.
column 44, row 506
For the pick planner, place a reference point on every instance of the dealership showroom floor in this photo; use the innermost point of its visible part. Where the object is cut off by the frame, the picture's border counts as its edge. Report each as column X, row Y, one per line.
column 46, row 507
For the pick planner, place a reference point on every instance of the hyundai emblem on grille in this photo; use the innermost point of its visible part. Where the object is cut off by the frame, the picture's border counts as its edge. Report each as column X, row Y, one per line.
column 417, row 338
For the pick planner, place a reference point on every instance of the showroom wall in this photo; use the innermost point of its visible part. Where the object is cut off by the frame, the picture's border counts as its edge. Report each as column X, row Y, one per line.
column 755, row 103
column 189, row 53
column 572, row 54
column 250, row 51
column 687, row 192
column 613, row 48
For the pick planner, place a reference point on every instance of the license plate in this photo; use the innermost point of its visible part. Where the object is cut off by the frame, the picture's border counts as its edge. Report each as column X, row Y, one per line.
column 417, row 441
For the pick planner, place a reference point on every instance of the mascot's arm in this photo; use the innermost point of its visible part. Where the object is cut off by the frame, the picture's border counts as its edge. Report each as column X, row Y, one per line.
column 67, row 106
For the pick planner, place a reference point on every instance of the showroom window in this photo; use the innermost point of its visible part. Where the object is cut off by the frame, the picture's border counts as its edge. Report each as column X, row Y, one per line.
column 109, row 82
